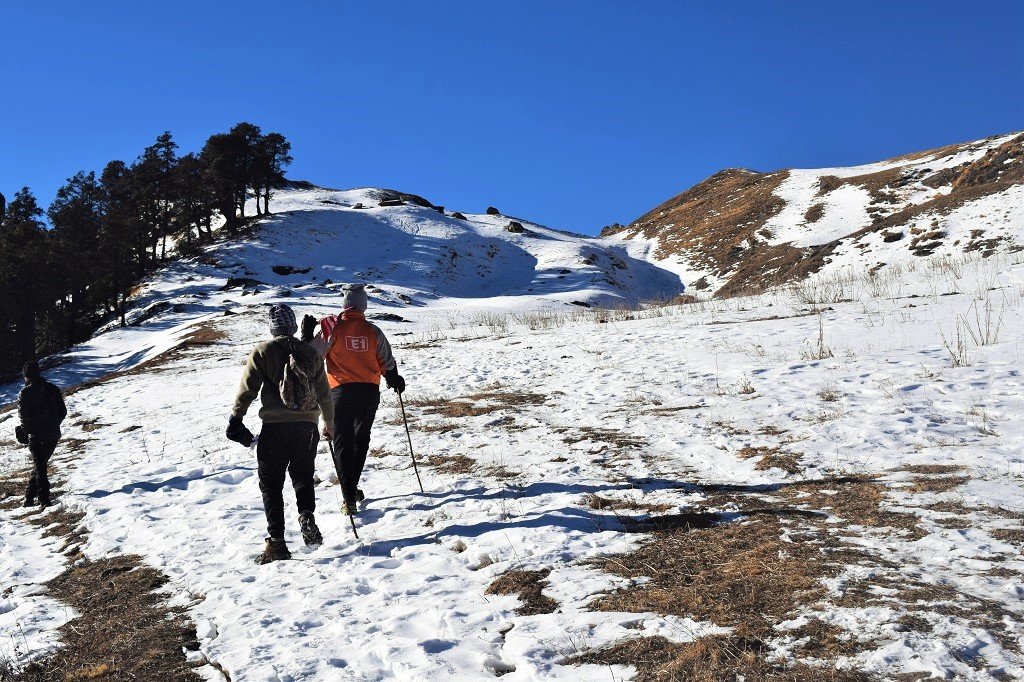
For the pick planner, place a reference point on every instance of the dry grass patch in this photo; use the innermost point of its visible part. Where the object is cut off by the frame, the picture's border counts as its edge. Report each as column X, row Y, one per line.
column 856, row 500
column 451, row 464
column 529, row 585
column 931, row 469
column 740, row 575
column 125, row 630
column 666, row 411
column 772, row 457
column 1013, row 536
column 571, row 436
column 63, row 522
column 482, row 403
column 709, row 659
column 599, row 502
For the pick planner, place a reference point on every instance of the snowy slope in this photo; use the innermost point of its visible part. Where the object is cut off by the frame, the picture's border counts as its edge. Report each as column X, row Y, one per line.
column 418, row 264
column 649, row 407
column 743, row 232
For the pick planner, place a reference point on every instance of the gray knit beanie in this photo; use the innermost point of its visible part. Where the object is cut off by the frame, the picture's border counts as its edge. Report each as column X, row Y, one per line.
column 282, row 320
column 354, row 297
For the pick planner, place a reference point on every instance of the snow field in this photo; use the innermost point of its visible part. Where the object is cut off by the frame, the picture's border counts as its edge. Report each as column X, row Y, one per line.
column 407, row 600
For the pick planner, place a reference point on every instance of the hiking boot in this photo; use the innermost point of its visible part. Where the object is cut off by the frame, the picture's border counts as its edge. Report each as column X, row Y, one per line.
column 44, row 502
column 29, row 501
column 350, row 508
column 311, row 535
column 276, row 550
column 359, row 495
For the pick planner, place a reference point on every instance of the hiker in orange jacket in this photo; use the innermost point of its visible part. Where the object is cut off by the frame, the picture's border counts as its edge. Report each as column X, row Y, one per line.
column 357, row 355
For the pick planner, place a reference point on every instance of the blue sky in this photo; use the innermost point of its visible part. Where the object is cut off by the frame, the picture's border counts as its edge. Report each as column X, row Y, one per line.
column 572, row 113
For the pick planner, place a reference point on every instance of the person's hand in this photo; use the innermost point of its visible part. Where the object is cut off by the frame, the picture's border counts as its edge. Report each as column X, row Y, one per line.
column 395, row 381
column 308, row 327
column 238, row 433
column 328, row 432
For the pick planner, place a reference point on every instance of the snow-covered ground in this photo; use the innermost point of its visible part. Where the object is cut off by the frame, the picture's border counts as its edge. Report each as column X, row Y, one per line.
column 156, row 476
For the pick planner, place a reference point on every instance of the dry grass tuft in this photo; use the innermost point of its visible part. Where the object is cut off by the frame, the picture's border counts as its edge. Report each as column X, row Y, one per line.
column 772, row 457
column 529, row 585
column 600, row 503
column 571, row 436
column 931, row 469
column 482, row 403
column 451, row 464
column 709, row 659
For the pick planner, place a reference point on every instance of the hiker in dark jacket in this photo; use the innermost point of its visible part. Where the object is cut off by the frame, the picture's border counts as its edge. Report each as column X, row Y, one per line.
column 289, row 437
column 357, row 355
column 41, row 410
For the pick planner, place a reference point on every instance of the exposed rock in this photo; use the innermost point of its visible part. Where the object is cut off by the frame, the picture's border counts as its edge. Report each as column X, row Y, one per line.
column 459, row 216
column 240, row 282
column 582, row 304
column 285, row 270
column 387, row 317
column 515, row 227
column 391, row 202
column 493, row 211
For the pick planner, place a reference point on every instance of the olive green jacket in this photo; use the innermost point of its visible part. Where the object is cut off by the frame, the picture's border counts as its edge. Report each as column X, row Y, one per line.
column 263, row 375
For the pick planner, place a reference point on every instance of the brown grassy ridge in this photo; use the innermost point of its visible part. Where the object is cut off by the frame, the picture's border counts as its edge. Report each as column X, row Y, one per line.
column 719, row 224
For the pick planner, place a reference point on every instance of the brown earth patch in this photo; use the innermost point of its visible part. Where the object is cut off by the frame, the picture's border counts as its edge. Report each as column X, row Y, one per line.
column 529, row 585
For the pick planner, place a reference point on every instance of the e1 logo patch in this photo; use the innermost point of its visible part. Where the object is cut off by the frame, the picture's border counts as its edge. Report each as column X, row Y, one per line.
column 357, row 344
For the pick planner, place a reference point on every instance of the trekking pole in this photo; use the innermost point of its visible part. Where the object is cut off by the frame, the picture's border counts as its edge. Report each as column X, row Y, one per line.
column 408, row 436
column 351, row 519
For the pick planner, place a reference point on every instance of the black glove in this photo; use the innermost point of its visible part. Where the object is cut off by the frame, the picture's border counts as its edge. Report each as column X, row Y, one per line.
column 238, row 433
column 19, row 433
column 308, row 328
column 395, row 380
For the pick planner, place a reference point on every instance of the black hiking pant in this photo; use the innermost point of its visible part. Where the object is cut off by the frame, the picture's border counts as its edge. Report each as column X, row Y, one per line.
column 41, row 450
column 291, row 447
column 353, row 420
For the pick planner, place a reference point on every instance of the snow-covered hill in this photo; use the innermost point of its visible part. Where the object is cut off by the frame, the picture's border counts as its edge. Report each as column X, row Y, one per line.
column 419, row 263
column 742, row 232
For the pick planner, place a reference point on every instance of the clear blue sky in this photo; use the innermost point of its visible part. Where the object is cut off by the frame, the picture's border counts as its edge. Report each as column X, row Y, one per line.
column 572, row 113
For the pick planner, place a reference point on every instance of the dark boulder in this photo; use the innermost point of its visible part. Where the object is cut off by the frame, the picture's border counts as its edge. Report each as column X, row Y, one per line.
column 493, row 211
column 459, row 216
column 516, row 227
column 285, row 270
column 391, row 202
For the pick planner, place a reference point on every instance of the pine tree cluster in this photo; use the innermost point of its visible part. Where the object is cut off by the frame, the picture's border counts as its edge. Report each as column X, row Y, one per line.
column 62, row 280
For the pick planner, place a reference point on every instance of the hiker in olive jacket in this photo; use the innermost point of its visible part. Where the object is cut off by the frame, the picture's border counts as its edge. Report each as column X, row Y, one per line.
column 41, row 410
column 289, row 438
